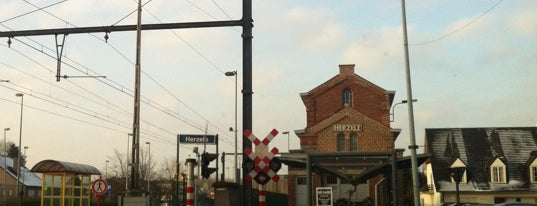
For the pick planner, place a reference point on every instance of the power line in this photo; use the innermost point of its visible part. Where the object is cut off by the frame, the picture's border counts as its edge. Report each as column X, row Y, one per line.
column 38, row 8
column 460, row 28
column 159, row 107
column 220, row 8
column 155, row 106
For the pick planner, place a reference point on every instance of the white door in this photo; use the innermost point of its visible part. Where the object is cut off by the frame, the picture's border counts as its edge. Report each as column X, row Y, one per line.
column 301, row 191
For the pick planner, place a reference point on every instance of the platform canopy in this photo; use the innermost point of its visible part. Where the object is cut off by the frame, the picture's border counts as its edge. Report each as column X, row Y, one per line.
column 55, row 166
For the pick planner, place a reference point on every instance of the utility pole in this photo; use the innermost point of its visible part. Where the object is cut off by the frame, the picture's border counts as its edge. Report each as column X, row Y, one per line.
column 136, row 119
column 413, row 147
column 246, row 92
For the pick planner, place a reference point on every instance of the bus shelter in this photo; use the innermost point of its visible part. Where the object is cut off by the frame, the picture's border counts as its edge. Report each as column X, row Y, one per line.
column 65, row 183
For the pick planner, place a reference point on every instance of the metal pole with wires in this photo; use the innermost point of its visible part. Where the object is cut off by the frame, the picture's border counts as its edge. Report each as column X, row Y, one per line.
column 413, row 147
column 19, row 152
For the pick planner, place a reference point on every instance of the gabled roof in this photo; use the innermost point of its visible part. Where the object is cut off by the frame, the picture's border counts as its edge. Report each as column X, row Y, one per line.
column 477, row 148
column 338, row 79
column 27, row 178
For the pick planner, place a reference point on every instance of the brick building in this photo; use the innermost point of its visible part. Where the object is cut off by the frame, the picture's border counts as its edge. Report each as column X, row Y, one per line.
column 347, row 115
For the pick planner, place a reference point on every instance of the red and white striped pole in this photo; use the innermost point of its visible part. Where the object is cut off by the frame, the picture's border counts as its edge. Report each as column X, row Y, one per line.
column 261, row 195
column 190, row 187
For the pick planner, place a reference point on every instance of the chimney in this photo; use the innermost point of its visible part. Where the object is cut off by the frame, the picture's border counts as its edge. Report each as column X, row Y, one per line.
column 346, row 69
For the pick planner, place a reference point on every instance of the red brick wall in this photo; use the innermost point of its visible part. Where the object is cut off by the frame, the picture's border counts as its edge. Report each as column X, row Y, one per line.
column 325, row 100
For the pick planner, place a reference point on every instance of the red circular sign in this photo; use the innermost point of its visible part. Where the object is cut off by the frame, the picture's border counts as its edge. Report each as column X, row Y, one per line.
column 99, row 187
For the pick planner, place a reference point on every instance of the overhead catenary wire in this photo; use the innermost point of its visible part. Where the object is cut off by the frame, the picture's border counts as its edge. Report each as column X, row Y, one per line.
column 458, row 29
column 89, row 113
column 160, row 108
column 197, row 126
column 38, row 8
column 79, row 109
column 122, row 88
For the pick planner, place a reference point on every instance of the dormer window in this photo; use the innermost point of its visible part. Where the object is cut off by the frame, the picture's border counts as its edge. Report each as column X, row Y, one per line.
column 347, row 97
column 533, row 172
column 458, row 164
column 497, row 172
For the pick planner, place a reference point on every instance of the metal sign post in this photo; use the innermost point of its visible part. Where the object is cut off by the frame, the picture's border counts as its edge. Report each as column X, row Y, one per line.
column 99, row 187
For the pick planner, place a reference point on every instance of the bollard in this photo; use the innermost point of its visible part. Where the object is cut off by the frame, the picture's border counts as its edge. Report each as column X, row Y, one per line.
column 190, row 187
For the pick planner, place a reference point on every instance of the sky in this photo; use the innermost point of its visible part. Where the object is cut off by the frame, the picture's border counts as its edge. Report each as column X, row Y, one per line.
column 472, row 64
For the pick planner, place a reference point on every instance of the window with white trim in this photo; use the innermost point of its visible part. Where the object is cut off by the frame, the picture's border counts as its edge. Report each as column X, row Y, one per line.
column 533, row 172
column 497, row 172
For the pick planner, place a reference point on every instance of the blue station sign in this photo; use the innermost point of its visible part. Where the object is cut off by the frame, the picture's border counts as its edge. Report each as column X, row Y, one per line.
column 197, row 139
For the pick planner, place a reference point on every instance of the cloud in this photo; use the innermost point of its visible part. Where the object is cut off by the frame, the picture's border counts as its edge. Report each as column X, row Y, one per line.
column 376, row 49
column 313, row 30
column 524, row 23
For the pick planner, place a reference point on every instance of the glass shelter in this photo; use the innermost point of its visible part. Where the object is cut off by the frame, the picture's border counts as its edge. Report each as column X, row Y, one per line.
column 65, row 183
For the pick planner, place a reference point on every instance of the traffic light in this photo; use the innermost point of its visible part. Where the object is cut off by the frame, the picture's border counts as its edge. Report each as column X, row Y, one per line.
column 275, row 164
column 206, row 159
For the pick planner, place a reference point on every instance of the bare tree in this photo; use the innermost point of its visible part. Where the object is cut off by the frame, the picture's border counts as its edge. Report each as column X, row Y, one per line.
column 168, row 169
column 118, row 166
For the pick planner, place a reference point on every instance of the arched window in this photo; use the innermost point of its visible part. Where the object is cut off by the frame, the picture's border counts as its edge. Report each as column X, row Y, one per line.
column 354, row 142
column 340, row 142
column 347, row 97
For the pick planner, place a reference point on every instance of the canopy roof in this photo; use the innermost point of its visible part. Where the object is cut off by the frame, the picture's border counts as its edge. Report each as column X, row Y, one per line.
column 55, row 166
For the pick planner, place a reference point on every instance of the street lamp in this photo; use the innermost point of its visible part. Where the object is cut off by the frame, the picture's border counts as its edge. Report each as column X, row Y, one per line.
column 392, row 114
column 195, row 150
column 235, row 168
column 24, row 174
column 287, row 133
column 148, row 164
column 457, row 172
column 19, row 152
column 5, row 164
column 106, row 169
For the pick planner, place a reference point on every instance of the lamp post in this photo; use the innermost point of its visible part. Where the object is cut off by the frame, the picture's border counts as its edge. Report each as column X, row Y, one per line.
column 457, row 172
column 19, row 152
column 5, row 167
column 392, row 114
column 148, row 164
column 195, row 150
column 288, row 148
column 235, row 168
column 23, row 175
column 106, row 169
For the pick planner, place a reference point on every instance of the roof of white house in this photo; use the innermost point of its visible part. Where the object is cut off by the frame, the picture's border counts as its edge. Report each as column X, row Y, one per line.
column 27, row 177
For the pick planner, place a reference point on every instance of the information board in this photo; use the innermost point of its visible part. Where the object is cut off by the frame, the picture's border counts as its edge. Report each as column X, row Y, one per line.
column 324, row 196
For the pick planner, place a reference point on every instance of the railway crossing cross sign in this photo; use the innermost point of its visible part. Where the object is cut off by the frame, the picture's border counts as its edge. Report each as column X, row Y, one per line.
column 261, row 165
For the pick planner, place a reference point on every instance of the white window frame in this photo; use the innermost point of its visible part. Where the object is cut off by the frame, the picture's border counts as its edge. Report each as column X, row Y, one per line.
column 533, row 172
column 498, row 172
